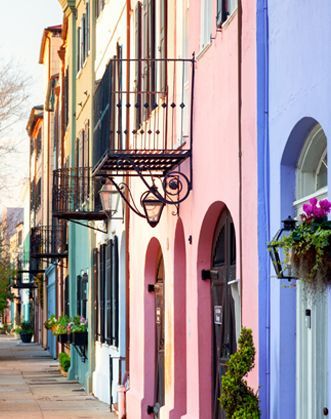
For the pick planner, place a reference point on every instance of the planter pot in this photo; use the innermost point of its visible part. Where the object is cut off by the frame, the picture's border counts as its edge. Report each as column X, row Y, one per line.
column 26, row 337
column 64, row 373
column 304, row 267
column 64, row 338
column 79, row 338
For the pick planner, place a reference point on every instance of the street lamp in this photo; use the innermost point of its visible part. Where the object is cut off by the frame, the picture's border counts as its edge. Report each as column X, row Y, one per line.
column 109, row 198
column 281, row 262
column 152, row 206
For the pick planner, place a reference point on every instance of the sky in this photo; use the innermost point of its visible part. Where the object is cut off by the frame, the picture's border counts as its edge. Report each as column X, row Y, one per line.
column 21, row 28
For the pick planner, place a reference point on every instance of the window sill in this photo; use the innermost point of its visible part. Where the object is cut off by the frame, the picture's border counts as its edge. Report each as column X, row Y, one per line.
column 203, row 50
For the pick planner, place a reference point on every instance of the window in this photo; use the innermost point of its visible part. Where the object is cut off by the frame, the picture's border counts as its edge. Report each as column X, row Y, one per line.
column 206, row 22
column 108, row 293
column 224, row 9
column 66, row 98
column 82, row 295
column 66, row 296
column 83, row 38
column 99, row 5
column 313, row 164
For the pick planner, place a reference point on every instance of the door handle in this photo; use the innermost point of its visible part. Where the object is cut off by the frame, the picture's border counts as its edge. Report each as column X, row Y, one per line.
column 325, row 411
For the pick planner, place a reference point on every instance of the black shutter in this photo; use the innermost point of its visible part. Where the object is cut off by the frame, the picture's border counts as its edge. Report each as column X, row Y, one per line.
column 138, row 73
column 115, row 294
column 84, row 295
column 101, row 320
column 66, row 296
column 95, row 257
column 79, row 295
column 108, row 290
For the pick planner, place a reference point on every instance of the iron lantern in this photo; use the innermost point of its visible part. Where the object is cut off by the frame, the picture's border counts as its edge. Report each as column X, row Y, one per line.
column 152, row 206
column 281, row 262
column 109, row 198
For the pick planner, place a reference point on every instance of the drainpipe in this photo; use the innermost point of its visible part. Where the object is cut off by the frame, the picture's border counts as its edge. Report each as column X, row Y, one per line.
column 239, row 34
column 263, row 203
column 127, row 217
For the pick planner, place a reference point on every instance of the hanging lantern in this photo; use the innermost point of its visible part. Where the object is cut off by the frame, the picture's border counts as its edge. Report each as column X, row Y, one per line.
column 109, row 198
column 282, row 262
column 153, row 208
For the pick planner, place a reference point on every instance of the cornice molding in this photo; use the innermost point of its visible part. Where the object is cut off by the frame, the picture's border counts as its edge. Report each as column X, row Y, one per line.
column 67, row 4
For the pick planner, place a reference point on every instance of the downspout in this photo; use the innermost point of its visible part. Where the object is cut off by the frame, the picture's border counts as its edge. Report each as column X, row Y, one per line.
column 239, row 33
column 263, row 203
column 127, row 209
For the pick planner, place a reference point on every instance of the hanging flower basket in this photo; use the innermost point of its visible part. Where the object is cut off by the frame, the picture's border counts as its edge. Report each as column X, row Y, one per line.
column 308, row 246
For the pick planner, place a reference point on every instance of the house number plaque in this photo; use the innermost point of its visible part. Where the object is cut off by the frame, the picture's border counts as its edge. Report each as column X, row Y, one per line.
column 218, row 314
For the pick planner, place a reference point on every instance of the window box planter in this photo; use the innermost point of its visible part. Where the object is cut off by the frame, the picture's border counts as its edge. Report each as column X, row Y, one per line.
column 63, row 338
column 26, row 337
column 79, row 338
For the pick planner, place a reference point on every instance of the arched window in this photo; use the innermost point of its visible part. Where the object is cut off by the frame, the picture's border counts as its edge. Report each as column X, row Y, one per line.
column 313, row 165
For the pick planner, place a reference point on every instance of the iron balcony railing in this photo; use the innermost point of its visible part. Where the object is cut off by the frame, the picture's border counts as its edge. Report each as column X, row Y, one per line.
column 75, row 194
column 143, row 111
column 48, row 242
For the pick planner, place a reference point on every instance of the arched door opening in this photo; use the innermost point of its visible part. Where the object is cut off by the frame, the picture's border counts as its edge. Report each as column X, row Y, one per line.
column 159, row 336
column 311, row 314
column 225, row 302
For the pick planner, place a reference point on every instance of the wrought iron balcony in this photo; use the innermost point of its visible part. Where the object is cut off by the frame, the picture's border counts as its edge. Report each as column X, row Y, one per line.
column 48, row 242
column 75, row 195
column 143, row 125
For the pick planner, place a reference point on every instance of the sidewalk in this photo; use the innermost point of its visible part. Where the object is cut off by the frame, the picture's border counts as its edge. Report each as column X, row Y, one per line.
column 31, row 387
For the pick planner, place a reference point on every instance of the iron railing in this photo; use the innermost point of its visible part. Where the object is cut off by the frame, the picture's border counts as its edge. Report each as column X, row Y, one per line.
column 145, row 123
column 48, row 242
column 75, row 194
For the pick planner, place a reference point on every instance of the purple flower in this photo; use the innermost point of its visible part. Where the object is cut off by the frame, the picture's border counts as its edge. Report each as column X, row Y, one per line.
column 318, row 212
column 326, row 205
column 308, row 209
column 313, row 201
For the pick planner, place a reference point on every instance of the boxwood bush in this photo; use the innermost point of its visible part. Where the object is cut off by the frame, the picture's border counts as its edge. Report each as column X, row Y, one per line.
column 64, row 360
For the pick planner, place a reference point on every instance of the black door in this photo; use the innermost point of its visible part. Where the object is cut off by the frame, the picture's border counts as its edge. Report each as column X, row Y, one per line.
column 223, row 308
column 159, row 338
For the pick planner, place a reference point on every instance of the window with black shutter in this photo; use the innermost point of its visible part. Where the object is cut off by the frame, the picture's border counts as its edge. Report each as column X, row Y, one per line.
column 224, row 9
column 79, row 295
column 84, row 297
column 95, row 262
column 138, row 68
column 78, row 49
column 66, row 296
column 108, row 291
column 115, row 293
column 101, row 294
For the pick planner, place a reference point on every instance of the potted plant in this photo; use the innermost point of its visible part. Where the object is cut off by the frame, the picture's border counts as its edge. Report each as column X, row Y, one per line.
column 25, row 330
column 78, row 329
column 64, row 360
column 51, row 322
column 238, row 400
column 60, row 329
column 308, row 246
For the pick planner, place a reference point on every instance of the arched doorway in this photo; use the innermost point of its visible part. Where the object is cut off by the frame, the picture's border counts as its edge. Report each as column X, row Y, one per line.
column 159, row 336
column 225, row 304
column 312, row 310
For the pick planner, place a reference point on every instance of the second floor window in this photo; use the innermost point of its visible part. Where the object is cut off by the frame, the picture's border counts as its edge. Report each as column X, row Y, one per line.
column 224, row 9
column 83, row 38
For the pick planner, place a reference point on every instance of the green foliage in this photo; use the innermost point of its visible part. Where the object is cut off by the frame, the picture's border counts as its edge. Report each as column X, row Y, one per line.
column 60, row 327
column 24, row 327
column 78, row 324
column 306, row 246
column 64, row 360
column 50, row 322
column 238, row 400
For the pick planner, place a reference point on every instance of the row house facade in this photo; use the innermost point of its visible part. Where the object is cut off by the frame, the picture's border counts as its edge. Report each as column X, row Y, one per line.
column 147, row 216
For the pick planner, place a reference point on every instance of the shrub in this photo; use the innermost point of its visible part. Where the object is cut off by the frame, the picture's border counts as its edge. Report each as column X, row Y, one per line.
column 237, row 399
column 64, row 360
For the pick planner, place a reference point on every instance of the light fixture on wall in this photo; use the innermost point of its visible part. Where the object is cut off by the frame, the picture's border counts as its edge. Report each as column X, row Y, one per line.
column 110, row 199
column 151, row 201
column 281, row 262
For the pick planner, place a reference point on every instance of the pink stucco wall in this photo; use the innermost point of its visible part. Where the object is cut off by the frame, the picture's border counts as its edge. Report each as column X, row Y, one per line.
column 215, row 185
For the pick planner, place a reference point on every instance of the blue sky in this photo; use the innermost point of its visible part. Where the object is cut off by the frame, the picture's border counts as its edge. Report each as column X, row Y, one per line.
column 21, row 28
